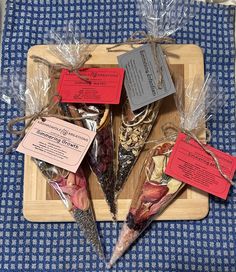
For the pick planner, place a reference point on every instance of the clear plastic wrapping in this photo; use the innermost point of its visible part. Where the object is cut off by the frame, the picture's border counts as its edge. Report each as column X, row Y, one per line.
column 198, row 102
column 71, row 49
column 69, row 46
column 156, row 190
column 71, row 188
column 73, row 191
column 12, row 90
column 161, row 18
column 134, row 131
column 101, row 153
column 30, row 98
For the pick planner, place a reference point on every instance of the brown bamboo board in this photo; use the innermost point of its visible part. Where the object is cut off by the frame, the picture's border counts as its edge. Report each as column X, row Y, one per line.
column 40, row 202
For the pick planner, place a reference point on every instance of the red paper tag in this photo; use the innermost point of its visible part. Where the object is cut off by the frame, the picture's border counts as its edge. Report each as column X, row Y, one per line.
column 104, row 87
column 191, row 164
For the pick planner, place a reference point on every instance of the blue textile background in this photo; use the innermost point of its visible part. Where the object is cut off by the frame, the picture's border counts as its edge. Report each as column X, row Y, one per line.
column 206, row 245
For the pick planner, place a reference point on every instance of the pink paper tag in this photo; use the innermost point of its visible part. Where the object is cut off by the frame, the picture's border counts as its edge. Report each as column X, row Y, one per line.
column 191, row 164
column 57, row 142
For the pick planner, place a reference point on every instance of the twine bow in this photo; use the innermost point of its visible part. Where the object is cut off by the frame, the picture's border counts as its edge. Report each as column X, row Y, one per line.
column 59, row 66
column 208, row 151
column 141, row 37
column 169, row 128
column 44, row 112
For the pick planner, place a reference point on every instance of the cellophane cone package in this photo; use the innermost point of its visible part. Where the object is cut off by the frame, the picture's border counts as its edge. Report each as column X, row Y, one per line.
column 160, row 19
column 156, row 190
column 154, row 193
column 101, row 153
column 134, row 131
column 72, row 189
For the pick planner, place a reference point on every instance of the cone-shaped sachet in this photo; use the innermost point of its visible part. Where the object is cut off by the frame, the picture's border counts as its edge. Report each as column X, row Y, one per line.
column 101, row 153
column 134, row 131
column 156, row 190
column 72, row 50
column 70, row 187
column 69, row 47
column 160, row 19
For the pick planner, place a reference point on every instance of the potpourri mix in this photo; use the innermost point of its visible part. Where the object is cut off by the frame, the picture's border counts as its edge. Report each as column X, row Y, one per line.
column 112, row 162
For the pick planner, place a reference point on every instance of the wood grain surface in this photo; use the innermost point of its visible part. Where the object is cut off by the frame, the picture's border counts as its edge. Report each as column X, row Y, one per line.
column 41, row 203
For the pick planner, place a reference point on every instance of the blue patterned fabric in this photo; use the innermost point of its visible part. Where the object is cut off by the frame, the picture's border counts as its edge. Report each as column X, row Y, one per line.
column 205, row 245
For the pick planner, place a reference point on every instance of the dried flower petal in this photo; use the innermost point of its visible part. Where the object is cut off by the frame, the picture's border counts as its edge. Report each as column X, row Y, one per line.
column 70, row 190
column 153, row 192
column 80, row 199
column 158, row 170
column 151, row 197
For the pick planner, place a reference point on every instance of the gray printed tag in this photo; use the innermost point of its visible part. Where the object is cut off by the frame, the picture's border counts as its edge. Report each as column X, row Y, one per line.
column 141, row 76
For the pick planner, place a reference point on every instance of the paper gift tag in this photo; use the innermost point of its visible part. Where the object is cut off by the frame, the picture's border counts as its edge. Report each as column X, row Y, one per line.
column 190, row 163
column 104, row 86
column 141, row 76
column 57, row 142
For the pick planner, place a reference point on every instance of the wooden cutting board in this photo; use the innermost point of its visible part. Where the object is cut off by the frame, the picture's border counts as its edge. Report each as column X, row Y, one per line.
column 41, row 203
